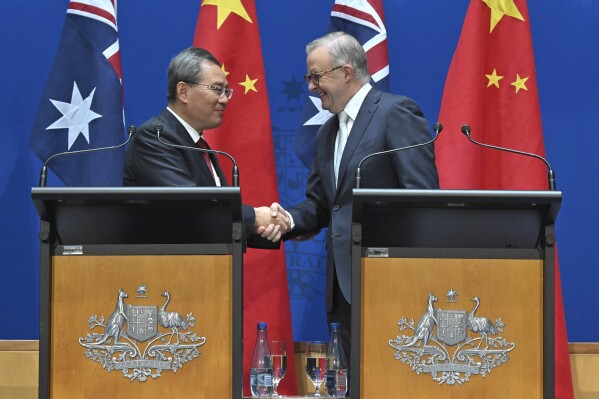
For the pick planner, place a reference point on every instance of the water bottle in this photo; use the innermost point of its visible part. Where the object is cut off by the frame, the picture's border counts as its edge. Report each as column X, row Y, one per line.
column 260, row 366
column 336, row 376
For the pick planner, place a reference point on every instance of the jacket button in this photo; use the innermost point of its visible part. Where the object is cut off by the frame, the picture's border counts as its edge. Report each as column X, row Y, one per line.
column 336, row 208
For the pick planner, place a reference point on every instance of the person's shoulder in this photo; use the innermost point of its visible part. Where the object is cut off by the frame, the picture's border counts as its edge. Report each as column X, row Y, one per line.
column 393, row 98
column 394, row 101
column 160, row 119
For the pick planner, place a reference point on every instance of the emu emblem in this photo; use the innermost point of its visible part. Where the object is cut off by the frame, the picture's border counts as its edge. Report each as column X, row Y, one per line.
column 119, row 342
column 451, row 345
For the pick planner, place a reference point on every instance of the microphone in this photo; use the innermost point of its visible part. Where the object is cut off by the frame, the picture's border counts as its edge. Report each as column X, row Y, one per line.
column 437, row 127
column 44, row 172
column 550, row 174
column 158, row 129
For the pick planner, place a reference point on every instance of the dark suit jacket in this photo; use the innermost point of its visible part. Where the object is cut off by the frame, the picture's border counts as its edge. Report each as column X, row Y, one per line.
column 385, row 121
column 150, row 163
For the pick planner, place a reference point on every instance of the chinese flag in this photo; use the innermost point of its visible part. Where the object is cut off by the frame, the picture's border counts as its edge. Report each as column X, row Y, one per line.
column 229, row 29
column 491, row 86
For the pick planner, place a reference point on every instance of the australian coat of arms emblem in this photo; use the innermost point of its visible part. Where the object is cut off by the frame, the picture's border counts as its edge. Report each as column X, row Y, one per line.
column 442, row 346
column 119, row 343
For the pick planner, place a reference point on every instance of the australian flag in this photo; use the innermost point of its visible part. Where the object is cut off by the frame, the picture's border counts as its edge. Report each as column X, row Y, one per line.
column 364, row 20
column 82, row 105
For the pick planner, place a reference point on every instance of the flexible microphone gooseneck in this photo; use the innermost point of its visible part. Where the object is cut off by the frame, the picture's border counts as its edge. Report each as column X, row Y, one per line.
column 158, row 129
column 44, row 172
column 437, row 128
column 550, row 174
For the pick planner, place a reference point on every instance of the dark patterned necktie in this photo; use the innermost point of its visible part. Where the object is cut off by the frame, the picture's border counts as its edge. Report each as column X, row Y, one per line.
column 201, row 143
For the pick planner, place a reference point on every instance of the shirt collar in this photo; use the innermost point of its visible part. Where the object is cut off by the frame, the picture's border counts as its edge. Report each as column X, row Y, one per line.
column 353, row 106
column 195, row 135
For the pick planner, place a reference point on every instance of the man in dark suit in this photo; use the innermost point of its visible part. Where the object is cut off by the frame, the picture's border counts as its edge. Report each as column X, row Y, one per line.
column 366, row 120
column 198, row 94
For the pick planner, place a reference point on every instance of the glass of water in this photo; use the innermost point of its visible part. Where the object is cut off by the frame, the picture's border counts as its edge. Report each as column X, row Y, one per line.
column 278, row 355
column 316, row 363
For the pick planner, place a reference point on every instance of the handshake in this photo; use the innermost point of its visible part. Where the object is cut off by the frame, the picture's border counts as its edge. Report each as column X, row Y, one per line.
column 272, row 222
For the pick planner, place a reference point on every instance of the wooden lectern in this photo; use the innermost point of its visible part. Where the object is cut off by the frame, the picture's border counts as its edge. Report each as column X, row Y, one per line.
column 453, row 294
column 141, row 292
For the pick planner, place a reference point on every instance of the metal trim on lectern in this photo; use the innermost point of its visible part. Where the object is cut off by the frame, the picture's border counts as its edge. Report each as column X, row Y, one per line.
column 452, row 223
column 140, row 221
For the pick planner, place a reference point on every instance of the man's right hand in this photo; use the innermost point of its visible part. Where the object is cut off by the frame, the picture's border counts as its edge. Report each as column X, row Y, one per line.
column 272, row 223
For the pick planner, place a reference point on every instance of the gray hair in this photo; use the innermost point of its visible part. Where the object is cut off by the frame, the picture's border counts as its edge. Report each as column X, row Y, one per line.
column 188, row 66
column 344, row 49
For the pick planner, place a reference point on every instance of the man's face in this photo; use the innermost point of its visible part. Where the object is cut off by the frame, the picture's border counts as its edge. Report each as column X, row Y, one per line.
column 332, row 87
column 205, row 106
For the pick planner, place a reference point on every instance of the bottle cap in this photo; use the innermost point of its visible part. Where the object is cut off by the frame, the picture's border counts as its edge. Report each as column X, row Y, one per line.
column 261, row 325
column 335, row 326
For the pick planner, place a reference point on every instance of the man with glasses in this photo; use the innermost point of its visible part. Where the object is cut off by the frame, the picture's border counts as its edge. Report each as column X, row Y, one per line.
column 366, row 121
column 198, row 94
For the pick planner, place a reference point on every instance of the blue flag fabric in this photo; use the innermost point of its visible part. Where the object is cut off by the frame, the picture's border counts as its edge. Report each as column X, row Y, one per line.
column 82, row 105
column 364, row 20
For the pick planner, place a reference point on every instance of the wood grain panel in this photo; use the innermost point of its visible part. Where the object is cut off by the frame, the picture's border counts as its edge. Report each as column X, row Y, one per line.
column 88, row 285
column 508, row 289
column 585, row 369
column 19, row 369
column 18, row 374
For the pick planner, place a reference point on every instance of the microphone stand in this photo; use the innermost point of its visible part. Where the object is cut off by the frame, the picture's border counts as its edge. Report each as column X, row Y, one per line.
column 235, row 173
column 550, row 173
column 44, row 172
column 437, row 128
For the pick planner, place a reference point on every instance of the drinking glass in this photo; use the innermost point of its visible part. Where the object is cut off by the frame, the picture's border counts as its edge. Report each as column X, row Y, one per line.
column 316, row 363
column 278, row 355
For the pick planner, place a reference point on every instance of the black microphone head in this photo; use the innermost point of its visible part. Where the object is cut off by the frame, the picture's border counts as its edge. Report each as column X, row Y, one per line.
column 438, row 128
column 131, row 130
column 466, row 130
column 158, row 129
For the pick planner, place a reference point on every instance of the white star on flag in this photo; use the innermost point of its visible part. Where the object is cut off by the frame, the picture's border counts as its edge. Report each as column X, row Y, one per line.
column 76, row 115
column 321, row 117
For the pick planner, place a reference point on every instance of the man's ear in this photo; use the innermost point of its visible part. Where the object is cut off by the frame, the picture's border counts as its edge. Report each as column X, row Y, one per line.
column 348, row 72
column 183, row 92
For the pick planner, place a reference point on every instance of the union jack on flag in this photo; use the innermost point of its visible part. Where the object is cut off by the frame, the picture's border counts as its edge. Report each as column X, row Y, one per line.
column 364, row 20
column 82, row 105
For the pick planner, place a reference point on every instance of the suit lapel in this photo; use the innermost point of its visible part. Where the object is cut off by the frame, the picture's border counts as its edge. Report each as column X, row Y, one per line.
column 219, row 171
column 329, row 163
column 367, row 110
column 186, row 140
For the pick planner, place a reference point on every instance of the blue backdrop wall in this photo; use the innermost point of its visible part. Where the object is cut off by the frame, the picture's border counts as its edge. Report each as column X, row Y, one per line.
column 422, row 38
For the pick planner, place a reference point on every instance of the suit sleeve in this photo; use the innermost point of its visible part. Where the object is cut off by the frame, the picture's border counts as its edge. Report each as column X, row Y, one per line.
column 313, row 213
column 406, row 125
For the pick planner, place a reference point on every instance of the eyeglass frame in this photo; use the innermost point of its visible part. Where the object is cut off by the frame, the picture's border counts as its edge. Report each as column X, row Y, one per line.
column 223, row 89
column 315, row 77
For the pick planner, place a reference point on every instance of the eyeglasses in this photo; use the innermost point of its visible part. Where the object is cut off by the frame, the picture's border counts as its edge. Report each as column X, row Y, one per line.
column 220, row 90
column 315, row 77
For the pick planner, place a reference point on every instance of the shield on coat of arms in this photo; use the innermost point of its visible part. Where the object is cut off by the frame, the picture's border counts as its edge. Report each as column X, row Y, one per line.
column 451, row 326
column 142, row 322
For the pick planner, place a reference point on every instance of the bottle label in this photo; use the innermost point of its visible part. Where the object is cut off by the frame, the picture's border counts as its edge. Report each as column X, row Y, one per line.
column 330, row 379
column 336, row 383
column 261, row 377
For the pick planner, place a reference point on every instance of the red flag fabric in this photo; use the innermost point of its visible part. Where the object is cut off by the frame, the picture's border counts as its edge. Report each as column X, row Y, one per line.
column 229, row 29
column 491, row 86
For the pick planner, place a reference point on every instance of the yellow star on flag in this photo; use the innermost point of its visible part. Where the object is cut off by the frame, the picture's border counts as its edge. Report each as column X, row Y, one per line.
column 494, row 79
column 249, row 84
column 499, row 8
column 225, row 8
column 520, row 83
column 224, row 70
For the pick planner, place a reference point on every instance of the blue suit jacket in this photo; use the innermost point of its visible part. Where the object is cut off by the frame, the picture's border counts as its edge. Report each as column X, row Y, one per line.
column 385, row 121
